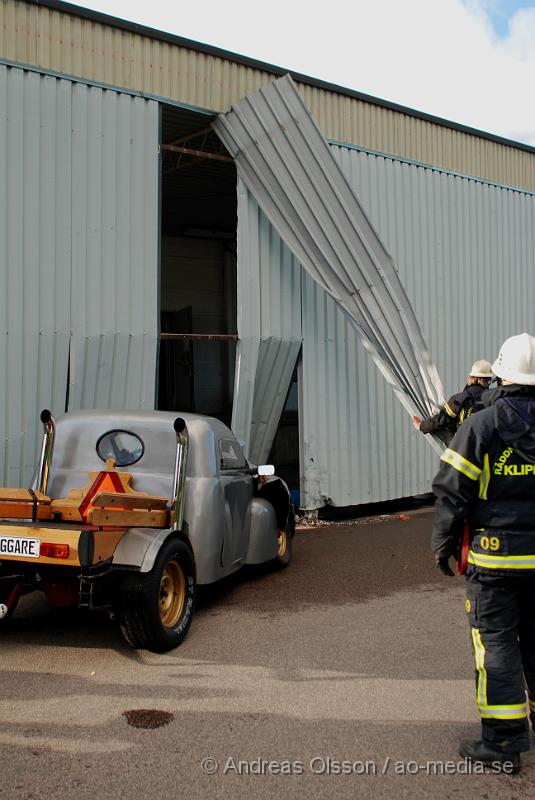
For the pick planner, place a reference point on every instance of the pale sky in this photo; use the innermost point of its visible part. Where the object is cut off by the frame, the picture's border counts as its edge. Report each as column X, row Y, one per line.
column 470, row 61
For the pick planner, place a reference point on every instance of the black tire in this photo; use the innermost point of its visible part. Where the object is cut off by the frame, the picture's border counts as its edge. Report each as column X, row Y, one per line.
column 284, row 554
column 6, row 587
column 156, row 608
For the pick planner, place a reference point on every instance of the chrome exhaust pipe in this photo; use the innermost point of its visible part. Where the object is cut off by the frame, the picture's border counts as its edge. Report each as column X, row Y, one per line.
column 179, row 482
column 47, row 451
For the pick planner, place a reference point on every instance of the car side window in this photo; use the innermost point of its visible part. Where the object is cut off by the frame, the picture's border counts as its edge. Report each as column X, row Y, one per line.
column 231, row 455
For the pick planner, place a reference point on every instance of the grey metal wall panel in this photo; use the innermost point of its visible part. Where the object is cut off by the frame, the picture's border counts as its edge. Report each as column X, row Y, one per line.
column 269, row 327
column 35, row 197
column 276, row 362
column 357, row 444
column 115, row 250
column 465, row 250
column 72, row 244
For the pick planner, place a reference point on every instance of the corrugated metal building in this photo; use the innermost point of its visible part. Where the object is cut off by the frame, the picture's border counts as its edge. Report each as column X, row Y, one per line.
column 118, row 208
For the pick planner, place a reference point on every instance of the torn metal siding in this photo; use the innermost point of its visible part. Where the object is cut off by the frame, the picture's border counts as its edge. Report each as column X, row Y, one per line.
column 465, row 250
column 276, row 362
column 285, row 161
column 78, row 255
column 269, row 327
column 463, row 247
column 356, row 446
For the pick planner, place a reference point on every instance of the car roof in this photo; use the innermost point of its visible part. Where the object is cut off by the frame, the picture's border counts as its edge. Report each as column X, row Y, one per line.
column 148, row 421
column 77, row 433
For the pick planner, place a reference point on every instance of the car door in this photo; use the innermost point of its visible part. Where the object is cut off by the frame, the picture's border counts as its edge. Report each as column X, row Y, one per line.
column 237, row 484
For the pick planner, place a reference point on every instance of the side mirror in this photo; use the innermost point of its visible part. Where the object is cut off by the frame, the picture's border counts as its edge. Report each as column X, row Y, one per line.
column 266, row 469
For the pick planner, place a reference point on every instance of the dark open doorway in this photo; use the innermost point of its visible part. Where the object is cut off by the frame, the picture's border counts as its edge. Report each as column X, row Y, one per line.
column 285, row 450
column 176, row 388
column 198, row 267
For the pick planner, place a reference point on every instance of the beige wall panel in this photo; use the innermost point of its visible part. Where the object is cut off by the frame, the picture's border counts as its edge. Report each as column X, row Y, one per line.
column 64, row 43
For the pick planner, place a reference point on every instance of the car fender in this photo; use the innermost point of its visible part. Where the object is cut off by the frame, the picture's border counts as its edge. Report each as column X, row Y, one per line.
column 276, row 492
column 263, row 543
column 139, row 547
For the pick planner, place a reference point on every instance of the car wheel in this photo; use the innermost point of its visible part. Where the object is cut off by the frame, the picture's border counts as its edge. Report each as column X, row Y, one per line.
column 284, row 551
column 6, row 591
column 156, row 608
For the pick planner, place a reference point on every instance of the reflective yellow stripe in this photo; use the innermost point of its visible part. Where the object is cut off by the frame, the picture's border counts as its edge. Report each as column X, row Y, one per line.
column 484, row 478
column 479, row 652
column 508, row 711
column 501, row 562
column 449, row 411
column 532, row 705
column 459, row 463
column 513, row 711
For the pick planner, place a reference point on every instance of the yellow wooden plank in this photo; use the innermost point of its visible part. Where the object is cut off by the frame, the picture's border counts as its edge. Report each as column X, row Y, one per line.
column 118, row 500
column 22, row 495
column 128, row 519
column 67, row 509
column 23, row 510
column 15, row 494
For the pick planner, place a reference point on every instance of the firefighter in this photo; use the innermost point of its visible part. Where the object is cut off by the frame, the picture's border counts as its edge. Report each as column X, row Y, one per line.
column 460, row 406
column 487, row 477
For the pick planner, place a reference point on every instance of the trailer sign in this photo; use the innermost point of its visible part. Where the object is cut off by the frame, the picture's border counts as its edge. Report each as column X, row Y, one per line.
column 18, row 546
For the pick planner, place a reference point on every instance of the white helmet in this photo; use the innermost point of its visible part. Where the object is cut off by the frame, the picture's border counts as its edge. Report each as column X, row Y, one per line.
column 481, row 369
column 516, row 360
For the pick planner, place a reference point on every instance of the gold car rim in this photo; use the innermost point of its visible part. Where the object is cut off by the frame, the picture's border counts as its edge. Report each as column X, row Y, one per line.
column 172, row 594
column 282, row 540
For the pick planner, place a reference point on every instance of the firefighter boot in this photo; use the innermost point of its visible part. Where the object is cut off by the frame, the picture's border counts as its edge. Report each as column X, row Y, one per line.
column 479, row 752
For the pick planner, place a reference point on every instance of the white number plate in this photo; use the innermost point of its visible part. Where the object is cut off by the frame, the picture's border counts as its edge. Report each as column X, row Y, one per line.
column 19, row 546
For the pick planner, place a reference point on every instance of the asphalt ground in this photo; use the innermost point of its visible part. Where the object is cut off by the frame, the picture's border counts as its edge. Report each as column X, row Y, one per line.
column 347, row 675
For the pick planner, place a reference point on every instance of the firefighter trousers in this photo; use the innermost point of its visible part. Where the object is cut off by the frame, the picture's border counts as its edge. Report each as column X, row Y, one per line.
column 501, row 614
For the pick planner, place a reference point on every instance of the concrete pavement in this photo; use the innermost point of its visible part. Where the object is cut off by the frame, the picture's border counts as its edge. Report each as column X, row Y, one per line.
column 347, row 675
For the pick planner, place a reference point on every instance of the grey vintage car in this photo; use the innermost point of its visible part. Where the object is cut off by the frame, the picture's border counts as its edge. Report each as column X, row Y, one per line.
column 131, row 511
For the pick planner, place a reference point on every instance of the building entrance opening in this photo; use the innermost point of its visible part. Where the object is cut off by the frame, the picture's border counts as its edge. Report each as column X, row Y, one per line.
column 198, row 267
column 198, row 281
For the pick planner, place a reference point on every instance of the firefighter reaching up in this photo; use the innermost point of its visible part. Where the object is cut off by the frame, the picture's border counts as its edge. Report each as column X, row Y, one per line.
column 487, row 477
column 460, row 406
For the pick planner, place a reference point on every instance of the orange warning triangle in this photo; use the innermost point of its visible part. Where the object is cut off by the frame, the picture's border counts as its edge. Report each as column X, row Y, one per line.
column 104, row 482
